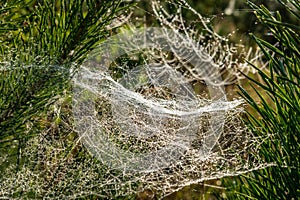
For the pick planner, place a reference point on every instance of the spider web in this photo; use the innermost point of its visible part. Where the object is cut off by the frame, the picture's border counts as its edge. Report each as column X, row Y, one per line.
column 150, row 109
column 153, row 104
column 137, row 110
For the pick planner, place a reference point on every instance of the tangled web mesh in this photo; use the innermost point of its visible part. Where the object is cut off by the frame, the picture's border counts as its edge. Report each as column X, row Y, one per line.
column 150, row 107
column 145, row 118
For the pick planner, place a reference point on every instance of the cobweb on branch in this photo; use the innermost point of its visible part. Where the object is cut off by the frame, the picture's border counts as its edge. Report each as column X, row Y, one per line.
column 151, row 114
column 150, row 103
column 231, row 58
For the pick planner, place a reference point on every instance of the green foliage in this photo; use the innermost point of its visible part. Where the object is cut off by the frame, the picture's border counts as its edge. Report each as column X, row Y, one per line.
column 278, row 110
column 58, row 31
column 40, row 42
